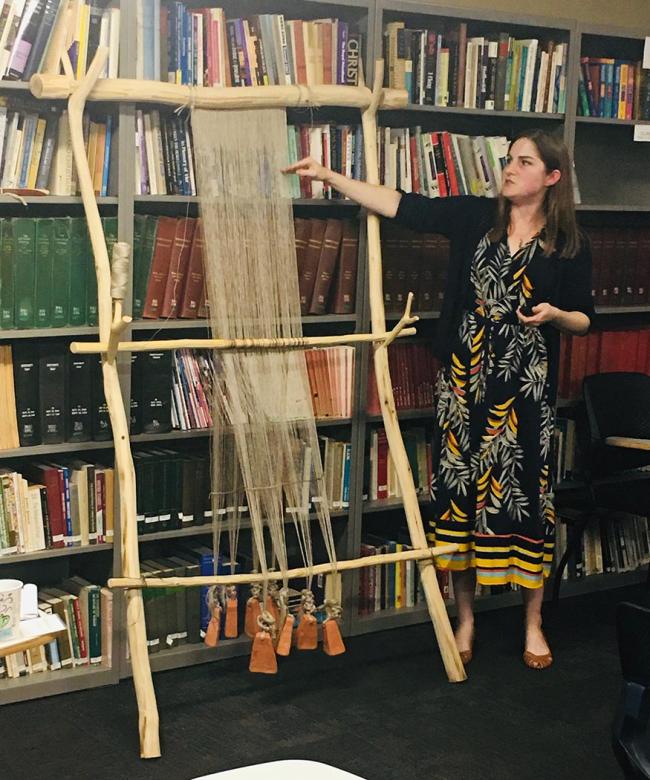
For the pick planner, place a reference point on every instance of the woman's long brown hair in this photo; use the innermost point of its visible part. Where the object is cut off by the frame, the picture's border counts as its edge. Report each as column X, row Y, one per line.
column 559, row 208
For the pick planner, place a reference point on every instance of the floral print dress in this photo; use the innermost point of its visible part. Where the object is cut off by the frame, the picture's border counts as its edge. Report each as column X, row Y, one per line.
column 493, row 441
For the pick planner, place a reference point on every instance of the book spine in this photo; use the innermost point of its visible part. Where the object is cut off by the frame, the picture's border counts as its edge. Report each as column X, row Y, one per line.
column 24, row 234
column 44, row 272
column 7, row 309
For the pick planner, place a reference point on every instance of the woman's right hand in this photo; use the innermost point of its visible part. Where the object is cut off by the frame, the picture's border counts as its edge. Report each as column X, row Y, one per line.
column 309, row 168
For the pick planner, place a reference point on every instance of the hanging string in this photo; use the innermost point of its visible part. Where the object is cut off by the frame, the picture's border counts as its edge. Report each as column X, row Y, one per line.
column 263, row 414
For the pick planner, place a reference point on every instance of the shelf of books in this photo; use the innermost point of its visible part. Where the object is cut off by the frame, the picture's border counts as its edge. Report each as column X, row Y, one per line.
column 475, row 78
column 613, row 106
column 457, row 65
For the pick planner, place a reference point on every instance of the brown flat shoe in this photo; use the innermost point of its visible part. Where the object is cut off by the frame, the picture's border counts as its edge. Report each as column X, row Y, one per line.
column 533, row 661
column 467, row 655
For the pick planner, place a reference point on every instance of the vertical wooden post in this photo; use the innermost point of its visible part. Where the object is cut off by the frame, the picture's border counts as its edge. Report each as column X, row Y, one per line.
column 437, row 610
column 146, row 698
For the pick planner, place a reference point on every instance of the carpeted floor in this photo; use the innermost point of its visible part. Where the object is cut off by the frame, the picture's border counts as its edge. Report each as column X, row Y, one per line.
column 383, row 711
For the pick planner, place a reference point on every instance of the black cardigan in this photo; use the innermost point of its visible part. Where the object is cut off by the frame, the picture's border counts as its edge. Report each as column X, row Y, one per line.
column 464, row 221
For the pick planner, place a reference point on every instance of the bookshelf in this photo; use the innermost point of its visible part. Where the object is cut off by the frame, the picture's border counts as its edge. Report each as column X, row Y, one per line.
column 598, row 139
column 590, row 139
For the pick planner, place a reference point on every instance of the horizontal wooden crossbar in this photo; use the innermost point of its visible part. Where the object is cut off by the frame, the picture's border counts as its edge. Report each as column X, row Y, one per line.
column 51, row 87
column 304, row 342
column 428, row 553
column 628, row 443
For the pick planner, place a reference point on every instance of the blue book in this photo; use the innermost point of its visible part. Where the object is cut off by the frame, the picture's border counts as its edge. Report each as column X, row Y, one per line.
column 184, row 48
column 29, row 131
column 522, row 76
column 107, row 155
column 346, row 476
column 148, row 42
column 156, row 40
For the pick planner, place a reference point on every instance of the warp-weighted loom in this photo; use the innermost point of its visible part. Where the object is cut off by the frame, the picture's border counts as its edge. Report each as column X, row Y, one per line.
column 276, row 465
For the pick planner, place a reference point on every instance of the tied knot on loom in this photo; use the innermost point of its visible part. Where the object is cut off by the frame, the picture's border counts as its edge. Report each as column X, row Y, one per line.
column 332, row 609
column 231, row 630
column 253, row 609
column 189, row 103
column 307, row 602
column 266, row 621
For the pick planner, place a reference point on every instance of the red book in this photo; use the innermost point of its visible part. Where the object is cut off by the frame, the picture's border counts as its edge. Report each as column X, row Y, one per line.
column 382, row 465
column 628, row 293
column 439, row 157
column 302, row 231
column 426, row 292
column 642, row 362
column 159, row 267
column 611, row 351
column 596, row 240
column 643, row 268
column 628, row 348
column 593, row 353
column 300, row 63
column 449, row 163
column 346, row 276
column 607, row 267
column 390, row 265
column 326, row 266
column 204, row 305
column 194, row 277
column 178, row 264
column 618, row 262
column 44, row 474
column 372, row 399
column 578, row 365
column 415, row 164
column 307, row 278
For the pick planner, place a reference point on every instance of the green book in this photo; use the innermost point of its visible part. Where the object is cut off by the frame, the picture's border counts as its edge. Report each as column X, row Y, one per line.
column 142, row 270
column 140, row 222
column 92, row 316
column 110, row 232
column 77, row 293
column 25, row 271
column 44, row 270
column 7, row 317
column 61, row 252
column 89, row 596
column 109, row 225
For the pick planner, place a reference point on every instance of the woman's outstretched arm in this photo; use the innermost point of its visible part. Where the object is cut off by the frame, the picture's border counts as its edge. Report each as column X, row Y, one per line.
column 382, row 200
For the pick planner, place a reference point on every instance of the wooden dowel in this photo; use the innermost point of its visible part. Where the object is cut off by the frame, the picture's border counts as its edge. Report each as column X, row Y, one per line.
column 428, row 553
column 305, row 342
column 142, row 680
column 628, row 443
column 435, row 603
column 52, row 87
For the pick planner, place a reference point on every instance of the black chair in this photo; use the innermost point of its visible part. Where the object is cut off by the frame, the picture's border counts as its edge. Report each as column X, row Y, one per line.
column 613, row 432
column 629, row 735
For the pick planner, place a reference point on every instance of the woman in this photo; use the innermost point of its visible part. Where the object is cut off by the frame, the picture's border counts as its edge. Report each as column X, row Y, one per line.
column 520, row 272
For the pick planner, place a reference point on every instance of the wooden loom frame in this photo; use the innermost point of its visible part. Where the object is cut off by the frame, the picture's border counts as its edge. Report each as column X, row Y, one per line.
column 112, row 323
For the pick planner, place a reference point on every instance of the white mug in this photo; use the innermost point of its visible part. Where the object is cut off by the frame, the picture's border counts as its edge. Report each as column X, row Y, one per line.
column 10, row 591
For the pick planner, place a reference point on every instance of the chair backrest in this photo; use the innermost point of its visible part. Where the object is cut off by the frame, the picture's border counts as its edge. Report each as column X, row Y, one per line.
column 629, row 732
column 633, row 631
column 617, row 403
